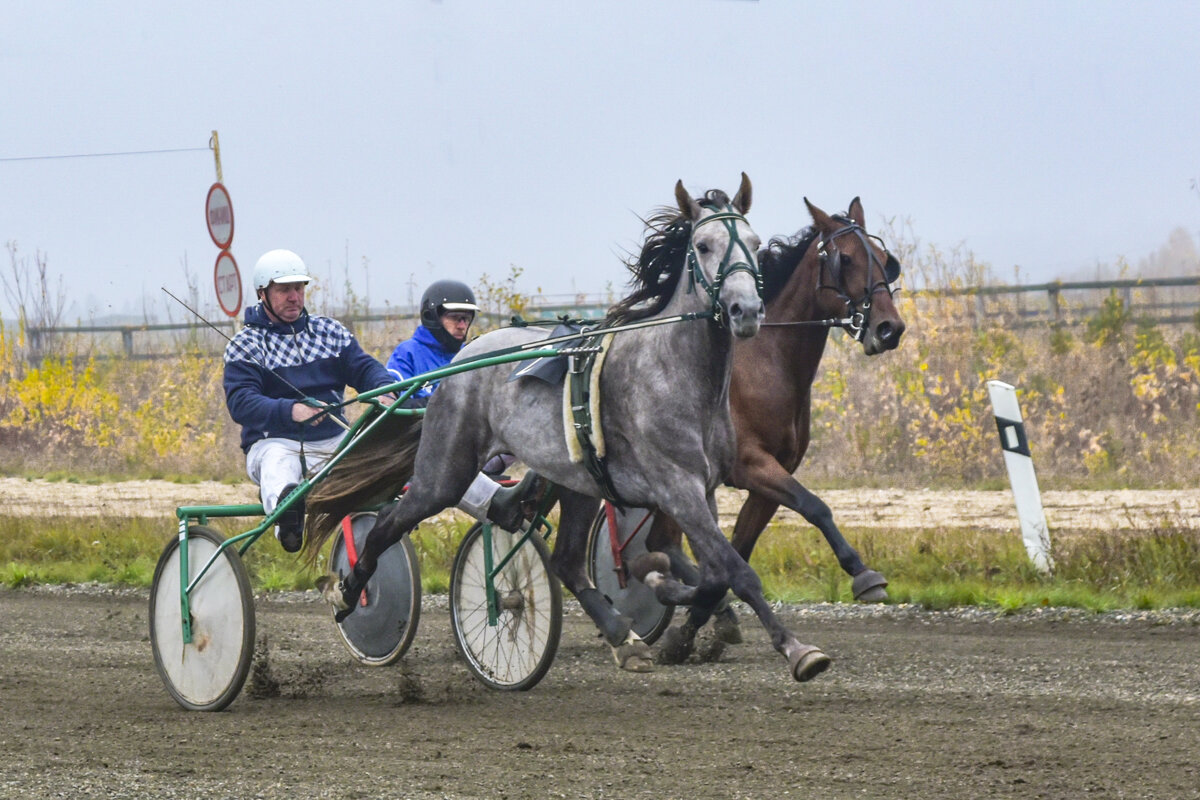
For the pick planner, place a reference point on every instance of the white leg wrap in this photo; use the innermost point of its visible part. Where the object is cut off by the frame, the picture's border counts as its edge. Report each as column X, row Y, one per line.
column 478, row 497
column 653, row 579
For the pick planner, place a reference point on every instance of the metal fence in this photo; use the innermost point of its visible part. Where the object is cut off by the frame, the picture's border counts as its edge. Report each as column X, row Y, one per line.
column 1167, row 301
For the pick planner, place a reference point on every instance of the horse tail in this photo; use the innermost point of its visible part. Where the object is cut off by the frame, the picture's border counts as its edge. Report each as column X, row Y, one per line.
column 374, row 471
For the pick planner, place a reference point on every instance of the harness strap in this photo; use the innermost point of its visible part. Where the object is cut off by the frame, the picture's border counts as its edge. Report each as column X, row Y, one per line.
column 581, row 393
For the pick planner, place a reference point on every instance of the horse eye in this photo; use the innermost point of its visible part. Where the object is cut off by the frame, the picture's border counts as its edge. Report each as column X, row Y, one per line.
column 702, row 247
column 847, row 261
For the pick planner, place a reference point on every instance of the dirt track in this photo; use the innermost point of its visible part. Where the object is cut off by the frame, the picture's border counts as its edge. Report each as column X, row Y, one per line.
column 917, row 705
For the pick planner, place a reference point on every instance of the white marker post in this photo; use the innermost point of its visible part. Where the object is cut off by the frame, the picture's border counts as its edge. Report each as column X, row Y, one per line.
column 1021, row 475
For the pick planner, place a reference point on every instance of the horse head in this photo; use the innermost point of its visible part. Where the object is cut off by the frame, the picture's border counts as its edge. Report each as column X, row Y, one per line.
column 855, row 276
column 722, row 256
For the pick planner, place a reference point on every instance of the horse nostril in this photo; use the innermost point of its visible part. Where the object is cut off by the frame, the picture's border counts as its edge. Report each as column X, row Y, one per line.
column 886, row 333
column 735, row 310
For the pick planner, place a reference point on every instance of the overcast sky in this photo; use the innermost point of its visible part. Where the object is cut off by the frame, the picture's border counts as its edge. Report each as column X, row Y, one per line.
column 456, row 138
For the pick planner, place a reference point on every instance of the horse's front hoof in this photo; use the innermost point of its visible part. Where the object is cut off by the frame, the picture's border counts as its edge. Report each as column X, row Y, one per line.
column 634, row 655
column 868, row 587
column 333, row 589
column 727, row 628
column 330, row 587
column 809, row 662
column 676, row 645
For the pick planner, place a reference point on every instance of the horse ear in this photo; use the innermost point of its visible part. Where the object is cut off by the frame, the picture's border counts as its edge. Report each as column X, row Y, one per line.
column 856, row 212
column 821, row 219
column 687, row 206
column 741, row 200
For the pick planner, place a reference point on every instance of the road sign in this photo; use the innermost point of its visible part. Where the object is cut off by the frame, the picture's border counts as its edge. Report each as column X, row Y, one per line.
column 228, row 281
column 218, row 212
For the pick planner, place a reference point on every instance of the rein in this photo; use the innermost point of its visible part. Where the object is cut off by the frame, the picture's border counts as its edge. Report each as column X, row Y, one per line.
column 852, row 323
column 517, row 322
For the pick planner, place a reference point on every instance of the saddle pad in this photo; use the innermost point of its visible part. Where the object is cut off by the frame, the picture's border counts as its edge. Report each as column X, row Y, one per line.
column 548, row 369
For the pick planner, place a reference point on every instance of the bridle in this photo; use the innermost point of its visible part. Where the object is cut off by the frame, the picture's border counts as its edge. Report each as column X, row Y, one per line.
column 830, row 265
column 746, row 262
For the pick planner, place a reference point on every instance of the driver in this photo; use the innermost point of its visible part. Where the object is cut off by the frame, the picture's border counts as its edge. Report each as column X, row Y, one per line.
column 273, row 366
column 447, row 310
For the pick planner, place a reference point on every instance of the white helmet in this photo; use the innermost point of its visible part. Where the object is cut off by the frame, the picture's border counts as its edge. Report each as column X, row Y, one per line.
column 279, row 266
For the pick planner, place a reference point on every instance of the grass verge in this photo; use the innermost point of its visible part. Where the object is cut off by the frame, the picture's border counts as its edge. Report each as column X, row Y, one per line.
column 938, row 569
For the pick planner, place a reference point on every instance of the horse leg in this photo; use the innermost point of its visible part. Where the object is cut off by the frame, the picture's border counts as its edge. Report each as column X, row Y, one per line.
column 773, row 486
column 666, row 537
column 417, row 504
column 569, row 563
column 719, row 561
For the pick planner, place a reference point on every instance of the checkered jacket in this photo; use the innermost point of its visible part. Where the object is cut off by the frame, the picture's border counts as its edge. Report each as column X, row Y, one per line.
column 316, row 355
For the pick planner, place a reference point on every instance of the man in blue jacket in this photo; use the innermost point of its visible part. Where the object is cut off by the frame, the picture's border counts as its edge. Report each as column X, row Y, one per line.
column 447, row 310
column 279, row 370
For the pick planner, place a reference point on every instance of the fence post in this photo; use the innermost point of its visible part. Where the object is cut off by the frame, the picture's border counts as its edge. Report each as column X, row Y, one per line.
column 35, row 345
column 127, row 341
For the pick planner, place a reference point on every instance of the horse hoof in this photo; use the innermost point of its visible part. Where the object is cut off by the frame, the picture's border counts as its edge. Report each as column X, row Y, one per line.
column 727, row 628
column 868, row 587
column 809, row 662
column 634, row 655
column 330, row 587
column 649, row 562
column 676, row 645
column 711, row 652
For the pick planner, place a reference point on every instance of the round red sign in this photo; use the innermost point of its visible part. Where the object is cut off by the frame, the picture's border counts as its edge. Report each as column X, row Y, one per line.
column 228, row 281
column 218, row 211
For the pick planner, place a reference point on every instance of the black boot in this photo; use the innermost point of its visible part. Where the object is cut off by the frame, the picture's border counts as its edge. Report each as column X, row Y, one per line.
column 506, row 508
column 290, row 525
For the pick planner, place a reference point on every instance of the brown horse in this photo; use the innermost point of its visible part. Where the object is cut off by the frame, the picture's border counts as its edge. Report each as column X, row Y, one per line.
column 831, row 274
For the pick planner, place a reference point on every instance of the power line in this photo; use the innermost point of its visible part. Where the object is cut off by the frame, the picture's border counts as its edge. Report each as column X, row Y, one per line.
column 105, row 155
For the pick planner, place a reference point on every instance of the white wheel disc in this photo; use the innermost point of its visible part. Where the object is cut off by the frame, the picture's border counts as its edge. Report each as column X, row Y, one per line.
column 207, row 673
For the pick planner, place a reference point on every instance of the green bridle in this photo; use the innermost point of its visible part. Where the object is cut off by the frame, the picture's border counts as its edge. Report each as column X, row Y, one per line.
column 729, row 218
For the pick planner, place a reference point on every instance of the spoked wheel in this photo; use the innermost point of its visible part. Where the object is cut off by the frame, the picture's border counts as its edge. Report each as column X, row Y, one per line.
column 380, row 630
column 207, row 673
column 514, row 650
column 635, row 599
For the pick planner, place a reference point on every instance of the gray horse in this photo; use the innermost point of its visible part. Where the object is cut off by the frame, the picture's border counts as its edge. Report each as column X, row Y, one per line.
column 664, row 400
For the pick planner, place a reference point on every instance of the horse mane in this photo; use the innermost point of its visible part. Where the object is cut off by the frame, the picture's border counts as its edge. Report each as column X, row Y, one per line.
column 657, row 269
column 779, row 259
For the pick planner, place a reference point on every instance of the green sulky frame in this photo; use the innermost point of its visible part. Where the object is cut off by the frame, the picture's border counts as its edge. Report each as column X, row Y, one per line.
column 361, row 427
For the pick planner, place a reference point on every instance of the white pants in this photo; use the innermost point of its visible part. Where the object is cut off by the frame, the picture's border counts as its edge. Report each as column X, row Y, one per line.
column 274, row 463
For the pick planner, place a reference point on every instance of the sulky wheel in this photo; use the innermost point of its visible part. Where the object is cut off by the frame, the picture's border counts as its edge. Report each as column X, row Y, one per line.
column 207, row 673
column 513, row 649
column 379, row 632
column 634, row 599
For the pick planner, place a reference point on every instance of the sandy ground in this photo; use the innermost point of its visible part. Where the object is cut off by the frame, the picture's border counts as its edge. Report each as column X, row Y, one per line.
column 917, row 705
column 1104, row 510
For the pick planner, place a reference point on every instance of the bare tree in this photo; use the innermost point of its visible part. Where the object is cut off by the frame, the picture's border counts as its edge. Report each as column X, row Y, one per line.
column 29, row 292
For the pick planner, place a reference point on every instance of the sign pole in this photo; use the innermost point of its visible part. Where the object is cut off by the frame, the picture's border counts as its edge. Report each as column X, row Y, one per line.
column 1021, row 476
column 218, row 213
column 214, row 144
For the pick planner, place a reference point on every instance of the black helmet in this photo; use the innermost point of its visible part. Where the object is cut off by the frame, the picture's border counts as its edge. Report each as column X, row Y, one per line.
column 443, row 296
